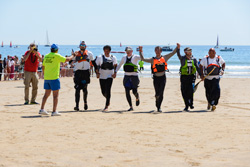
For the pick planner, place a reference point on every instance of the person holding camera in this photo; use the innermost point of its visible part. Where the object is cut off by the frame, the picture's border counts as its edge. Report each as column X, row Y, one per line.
column 31, row 58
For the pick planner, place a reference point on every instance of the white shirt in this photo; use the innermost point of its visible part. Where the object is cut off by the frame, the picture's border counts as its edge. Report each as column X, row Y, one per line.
column 105, row 74
column 212, row 61
column 84, row 65
column 11, row 63
column 134, row 60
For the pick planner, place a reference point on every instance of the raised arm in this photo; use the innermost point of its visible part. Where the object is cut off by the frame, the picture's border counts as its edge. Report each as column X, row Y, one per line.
column 168, row 56
column 178, row 51
column 149, row 60
column 26, row 56
column 38, row 55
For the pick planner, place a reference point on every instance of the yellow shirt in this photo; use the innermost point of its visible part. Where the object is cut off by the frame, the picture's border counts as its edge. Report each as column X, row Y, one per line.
column 51, row 65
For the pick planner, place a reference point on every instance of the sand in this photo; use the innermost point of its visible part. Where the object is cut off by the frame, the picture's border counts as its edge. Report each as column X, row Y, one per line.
column 119, row 138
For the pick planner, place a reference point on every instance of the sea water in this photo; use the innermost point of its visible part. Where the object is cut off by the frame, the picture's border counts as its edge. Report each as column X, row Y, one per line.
column 237, row 62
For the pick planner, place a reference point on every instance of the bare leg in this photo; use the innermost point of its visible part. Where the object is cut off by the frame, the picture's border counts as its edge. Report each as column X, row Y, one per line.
column 55, row 99
column 45, row 97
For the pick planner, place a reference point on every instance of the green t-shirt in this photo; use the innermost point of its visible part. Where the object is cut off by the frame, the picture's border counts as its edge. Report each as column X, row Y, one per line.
column 51, row 65
column 141, row 63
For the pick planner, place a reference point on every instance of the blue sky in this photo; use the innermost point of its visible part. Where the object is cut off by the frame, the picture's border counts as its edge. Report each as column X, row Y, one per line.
column 132, row 22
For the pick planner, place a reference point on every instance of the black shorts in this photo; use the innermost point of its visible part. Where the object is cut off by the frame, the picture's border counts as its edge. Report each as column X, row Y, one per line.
column 81, row 78
column 131, row 82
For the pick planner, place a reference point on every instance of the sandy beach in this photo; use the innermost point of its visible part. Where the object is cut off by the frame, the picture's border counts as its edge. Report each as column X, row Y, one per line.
column 121, row 139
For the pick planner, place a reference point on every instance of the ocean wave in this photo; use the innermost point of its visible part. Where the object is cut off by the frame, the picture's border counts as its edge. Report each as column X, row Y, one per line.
column 238, row 67
column 177, row 67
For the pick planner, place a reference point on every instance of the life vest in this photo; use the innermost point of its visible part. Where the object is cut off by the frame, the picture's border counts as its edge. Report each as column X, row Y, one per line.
column 82, row 56
column 129, row 66
column 188, row 68
column 107, row 64
column 210, row 67
column 159, row 65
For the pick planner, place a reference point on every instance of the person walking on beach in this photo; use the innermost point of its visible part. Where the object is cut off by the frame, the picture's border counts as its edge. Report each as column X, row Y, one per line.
column 51, row 69
column 106, row 65
column 82, row 73
column 12, row 68
column 141, row 65
column 189, row 66
column 5, row 66
column 8, row 67
column 31, row 58
column 158, row 67
column 1, row 68
column 131, row 80
column 211, row 83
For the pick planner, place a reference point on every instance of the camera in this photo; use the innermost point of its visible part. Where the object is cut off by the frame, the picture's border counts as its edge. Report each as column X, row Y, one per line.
column 35, row 49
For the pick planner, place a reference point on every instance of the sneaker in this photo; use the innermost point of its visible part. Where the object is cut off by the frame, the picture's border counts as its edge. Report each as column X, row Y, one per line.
column 55, row 113
column 105, row 110
column 137, row 102
column 76, row 108
column 186, row 109
column 157, row 111
column 85, row 106
column 131, row 109
column 26, row 102
column 213, row 108
column 43, row 112
column 208, row 106
column 34, row 102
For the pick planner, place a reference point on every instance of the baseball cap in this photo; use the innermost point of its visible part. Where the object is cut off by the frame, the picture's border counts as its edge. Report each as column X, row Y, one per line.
column 128, row 48
column 82, row 43
column 54, row 46
column 187, row 49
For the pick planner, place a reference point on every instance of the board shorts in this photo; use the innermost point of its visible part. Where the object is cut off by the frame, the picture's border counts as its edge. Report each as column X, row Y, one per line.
column 52, row 84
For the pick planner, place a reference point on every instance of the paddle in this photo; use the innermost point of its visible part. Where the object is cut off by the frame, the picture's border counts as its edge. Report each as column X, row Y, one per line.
column 196, row 85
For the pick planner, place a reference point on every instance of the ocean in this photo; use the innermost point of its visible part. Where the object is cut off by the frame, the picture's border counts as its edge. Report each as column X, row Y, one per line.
column 237, row 62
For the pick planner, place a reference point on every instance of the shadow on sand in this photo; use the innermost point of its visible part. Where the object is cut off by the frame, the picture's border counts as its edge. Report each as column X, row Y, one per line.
column 35, row 116
column 13, row 105
column 20, row 87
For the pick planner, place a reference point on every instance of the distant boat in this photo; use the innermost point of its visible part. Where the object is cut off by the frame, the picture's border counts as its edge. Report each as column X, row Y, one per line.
column 2, row 44
column 217, row 44
column 226, row 49
column 120, row 44
column 10, row 44
column 167, row 48
column 16, row 46
column 47, row 38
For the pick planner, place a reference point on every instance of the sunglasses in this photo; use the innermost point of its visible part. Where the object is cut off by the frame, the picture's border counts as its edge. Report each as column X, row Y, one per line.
column 83, row 45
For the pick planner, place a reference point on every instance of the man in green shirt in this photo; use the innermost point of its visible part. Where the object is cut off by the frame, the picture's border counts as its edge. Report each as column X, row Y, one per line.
column 141, row 65
column 51, row 69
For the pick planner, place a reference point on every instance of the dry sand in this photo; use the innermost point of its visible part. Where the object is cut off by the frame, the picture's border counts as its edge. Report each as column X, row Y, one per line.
column 138, row 138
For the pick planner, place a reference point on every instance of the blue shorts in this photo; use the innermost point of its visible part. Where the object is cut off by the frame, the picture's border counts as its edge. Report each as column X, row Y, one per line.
column 52, row 84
